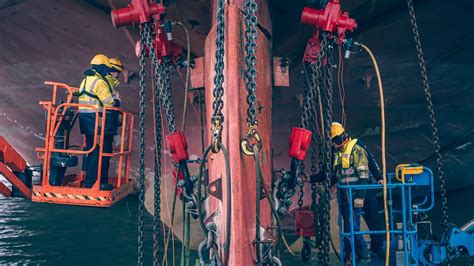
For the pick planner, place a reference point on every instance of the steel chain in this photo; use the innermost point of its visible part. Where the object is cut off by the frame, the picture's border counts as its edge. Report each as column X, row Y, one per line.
column 305, row 114
column 327, row 183
column 431, row 112
column 218, row 92
column 301, row 195
column 317, row 207
column 309, row 96
column 166, row 92
column 323, row 248
column 251, row 33
column 217, row 118
column 145, row 37
column 157, row 157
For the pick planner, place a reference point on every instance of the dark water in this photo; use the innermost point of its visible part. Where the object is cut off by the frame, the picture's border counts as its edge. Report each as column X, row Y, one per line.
column 47, row 234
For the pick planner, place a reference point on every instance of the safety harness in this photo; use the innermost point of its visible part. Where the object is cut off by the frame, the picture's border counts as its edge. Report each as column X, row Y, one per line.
column 88, row 92
column 346, row 155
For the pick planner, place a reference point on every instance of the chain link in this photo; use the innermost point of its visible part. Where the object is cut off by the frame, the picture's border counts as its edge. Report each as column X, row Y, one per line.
column 145, row 37
column 251, row 34
column 431, row 112
column 157, row 156
column 217, row 118
column 327, row 183
column 166, row 93
column 326, row 84
column 300, row 195
column 157, row 182
column 309, row 97
column 218, row 92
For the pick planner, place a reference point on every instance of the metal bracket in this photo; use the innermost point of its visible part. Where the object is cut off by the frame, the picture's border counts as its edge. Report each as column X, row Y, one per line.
column 215, row 188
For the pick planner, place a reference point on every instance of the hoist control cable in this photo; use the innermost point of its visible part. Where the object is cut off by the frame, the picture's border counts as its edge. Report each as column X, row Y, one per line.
column 188, row 73
column 384, row 163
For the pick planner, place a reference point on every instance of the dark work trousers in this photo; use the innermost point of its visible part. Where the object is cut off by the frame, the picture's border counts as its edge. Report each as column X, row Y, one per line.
column 92, row 164
column 371, row 217
column 358, row 239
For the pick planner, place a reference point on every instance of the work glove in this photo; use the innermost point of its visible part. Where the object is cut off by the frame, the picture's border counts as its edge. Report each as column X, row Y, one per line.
column 116, row 96
column 358, row 203
column 116, row 103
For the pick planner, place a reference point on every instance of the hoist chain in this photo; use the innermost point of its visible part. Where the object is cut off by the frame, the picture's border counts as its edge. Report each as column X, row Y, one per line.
column 157, row 154
column 312, row 122
column 320, row 209
column 301, row 195
column 316, row 150
column 216, row 145
column 309, row 97
column 157, row 181
column 327, row 183
column 431, row 112
column 166, row 93
column 252, row 137
column 145, row 37
column 217, row 118
column 251, row 21
column 326, row 86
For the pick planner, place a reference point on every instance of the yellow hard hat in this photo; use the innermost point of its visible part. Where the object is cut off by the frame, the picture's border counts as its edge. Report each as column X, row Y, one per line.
column 336, row 129
column 116, row 64
column 100, row 59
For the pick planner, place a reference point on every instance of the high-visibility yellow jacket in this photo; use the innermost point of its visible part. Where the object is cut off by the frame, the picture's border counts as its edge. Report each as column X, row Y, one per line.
column 97, row 92
column 351, row 166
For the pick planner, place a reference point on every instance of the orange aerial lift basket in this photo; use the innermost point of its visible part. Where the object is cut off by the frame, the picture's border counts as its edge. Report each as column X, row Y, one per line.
column 59, row 157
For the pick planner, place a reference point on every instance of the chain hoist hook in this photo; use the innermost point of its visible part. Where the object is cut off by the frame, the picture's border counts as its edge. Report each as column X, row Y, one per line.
column 251, row 138
column 216, row 138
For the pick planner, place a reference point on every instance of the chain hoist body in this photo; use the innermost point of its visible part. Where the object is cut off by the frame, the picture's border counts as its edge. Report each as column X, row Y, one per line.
column 330, row 19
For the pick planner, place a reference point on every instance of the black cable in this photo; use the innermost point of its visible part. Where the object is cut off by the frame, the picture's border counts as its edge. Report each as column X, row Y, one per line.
column 228, row 199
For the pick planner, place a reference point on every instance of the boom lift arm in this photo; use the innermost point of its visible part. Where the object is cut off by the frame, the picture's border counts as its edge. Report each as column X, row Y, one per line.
column 13, row 167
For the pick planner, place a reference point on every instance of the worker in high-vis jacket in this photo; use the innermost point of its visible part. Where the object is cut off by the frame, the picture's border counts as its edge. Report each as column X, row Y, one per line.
column 96, row 92
column 116, row 67
column 351, row 167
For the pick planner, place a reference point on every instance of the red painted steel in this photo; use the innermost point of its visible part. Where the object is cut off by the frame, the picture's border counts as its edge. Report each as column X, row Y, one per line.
column 14, row 180
column 313, row 47
column 330, row 19
column 281, row 72
column 11, row 161
column 300, row 140
column 136, row 13
column 178, row 146
column 162, row 45
column 304, row 221
column 243, row 192
column 5, row 191
column 10, row 157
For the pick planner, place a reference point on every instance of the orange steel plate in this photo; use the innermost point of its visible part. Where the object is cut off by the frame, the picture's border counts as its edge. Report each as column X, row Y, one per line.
column 80, row 196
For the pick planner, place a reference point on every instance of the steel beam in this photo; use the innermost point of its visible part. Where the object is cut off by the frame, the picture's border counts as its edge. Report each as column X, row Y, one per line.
column 243, row 192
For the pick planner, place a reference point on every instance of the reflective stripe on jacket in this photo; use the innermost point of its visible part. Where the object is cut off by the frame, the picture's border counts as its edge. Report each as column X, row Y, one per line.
column 351, row 166
column 95, row 91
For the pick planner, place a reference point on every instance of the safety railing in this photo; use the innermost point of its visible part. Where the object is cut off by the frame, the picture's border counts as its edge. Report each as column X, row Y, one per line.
column 55, row 113
column 413, row 180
